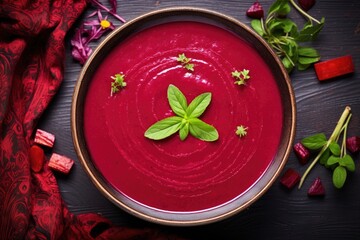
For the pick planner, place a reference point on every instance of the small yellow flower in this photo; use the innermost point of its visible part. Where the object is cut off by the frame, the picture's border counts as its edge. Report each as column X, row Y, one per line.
column 105, row 24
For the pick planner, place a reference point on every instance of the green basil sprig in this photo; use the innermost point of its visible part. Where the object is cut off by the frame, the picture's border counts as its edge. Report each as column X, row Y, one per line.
column 284, row 37
column 331, row 154
column 187, row 119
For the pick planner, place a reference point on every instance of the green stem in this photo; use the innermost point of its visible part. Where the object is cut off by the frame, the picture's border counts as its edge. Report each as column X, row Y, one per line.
column 303, row 12
column 334, row 135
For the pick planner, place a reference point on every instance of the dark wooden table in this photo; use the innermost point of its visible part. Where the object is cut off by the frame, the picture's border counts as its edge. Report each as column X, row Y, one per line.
column 279, row 214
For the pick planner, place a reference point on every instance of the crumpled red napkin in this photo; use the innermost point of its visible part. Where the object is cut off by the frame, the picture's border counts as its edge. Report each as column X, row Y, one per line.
column 31, row 70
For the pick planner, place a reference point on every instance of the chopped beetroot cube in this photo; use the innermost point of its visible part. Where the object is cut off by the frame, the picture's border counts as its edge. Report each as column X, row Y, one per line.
column 290, row 178
column 44, row 138
column 353, row 144
column 255, row 11
column 316, row 188
column 36, row 156
column 302, row 153
column 60, row 163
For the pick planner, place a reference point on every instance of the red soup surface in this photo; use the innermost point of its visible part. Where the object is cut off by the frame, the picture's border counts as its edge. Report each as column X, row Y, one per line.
column 171, row 174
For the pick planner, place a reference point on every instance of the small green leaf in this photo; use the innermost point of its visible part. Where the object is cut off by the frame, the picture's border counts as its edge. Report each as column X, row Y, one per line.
column 335, row 148
column 332, row 160
column 287, row 64
column 257, row 26
column 308, row 52
column 202, row 130
column 315, row 142
column 177, row 100
column 308, row 60
column 198, row 105
column 339, row 176
column 276, row 6
column 324, row 157
column 163, row 128
column 310, row 32
column 347, row 162
column 184, row 131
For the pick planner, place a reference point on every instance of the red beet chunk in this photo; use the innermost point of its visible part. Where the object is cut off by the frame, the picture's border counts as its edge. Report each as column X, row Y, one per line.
column 36, row 156
column 306, row 4
column 255, row 11
column 44, row 138
column 316, row 188
column 302, row 153
column 335, row 67
column 290, row 178
column 353, row 144
column 60, row 163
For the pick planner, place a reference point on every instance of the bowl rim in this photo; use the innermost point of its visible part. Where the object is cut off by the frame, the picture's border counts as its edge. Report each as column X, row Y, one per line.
column 179, row 218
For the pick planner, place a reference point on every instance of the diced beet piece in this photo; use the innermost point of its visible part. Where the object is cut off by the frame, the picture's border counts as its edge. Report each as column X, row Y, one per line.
column 255, row 11
column 353, row 144
column 335, row 67
column 44, row 138
column 306, row 4
column 302, row 153
column 316, row 188
column 36, row 156
column 290, row 178
column 60, row 163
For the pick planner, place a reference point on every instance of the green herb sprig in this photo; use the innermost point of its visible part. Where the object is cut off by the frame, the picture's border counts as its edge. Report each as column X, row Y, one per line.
column 187, row 119
column 284, row 37
column 241, row 76
column 331, row 155
column 241, row 131
column 185, row 62
column 117, row 83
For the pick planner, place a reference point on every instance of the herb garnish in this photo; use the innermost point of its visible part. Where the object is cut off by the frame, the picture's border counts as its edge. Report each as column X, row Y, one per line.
column 283, row 36
column 241, row 77
column 241, row 131
column 185, row 62
column 187, row 119
column 118, row 83
column 331, row 155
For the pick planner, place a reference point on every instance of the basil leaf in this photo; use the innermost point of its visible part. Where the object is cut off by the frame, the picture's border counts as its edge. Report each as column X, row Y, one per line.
column 339, row 176
column 308, row 52
column 308, row 60
column 310, row 32
column 315, row 142
column 324, row 157
column 333, row 160
column 184, row 131
column 202, row 130
column 347, row 162
column 257, row 26
column 335, row 148
column 198, row 105
column 177, row 100
column 277, row 6
column 163, row 128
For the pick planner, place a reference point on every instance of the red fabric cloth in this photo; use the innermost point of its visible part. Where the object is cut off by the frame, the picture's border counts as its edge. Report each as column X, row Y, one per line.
column 31, row 70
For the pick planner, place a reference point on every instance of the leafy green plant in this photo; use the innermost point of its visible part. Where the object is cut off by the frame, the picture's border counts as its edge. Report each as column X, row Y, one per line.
column 241, row 77
column 284, row 36
column 185, row 62
column 187, row 119
column 331, row 154
column 117, row 83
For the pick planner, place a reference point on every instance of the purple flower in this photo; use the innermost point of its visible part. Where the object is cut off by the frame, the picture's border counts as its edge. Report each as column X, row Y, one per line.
column 83, row 36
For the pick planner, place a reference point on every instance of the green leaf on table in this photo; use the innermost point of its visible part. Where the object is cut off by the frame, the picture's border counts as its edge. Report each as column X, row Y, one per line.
column 335, row 148
column 310, row 31
column 324, row 157
column 339, row 176
column 257, row 26
column 314, row 142
column 347, row 162
column 332, row 160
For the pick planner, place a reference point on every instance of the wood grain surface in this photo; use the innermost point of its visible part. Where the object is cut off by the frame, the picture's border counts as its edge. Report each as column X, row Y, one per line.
column 279, row 214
